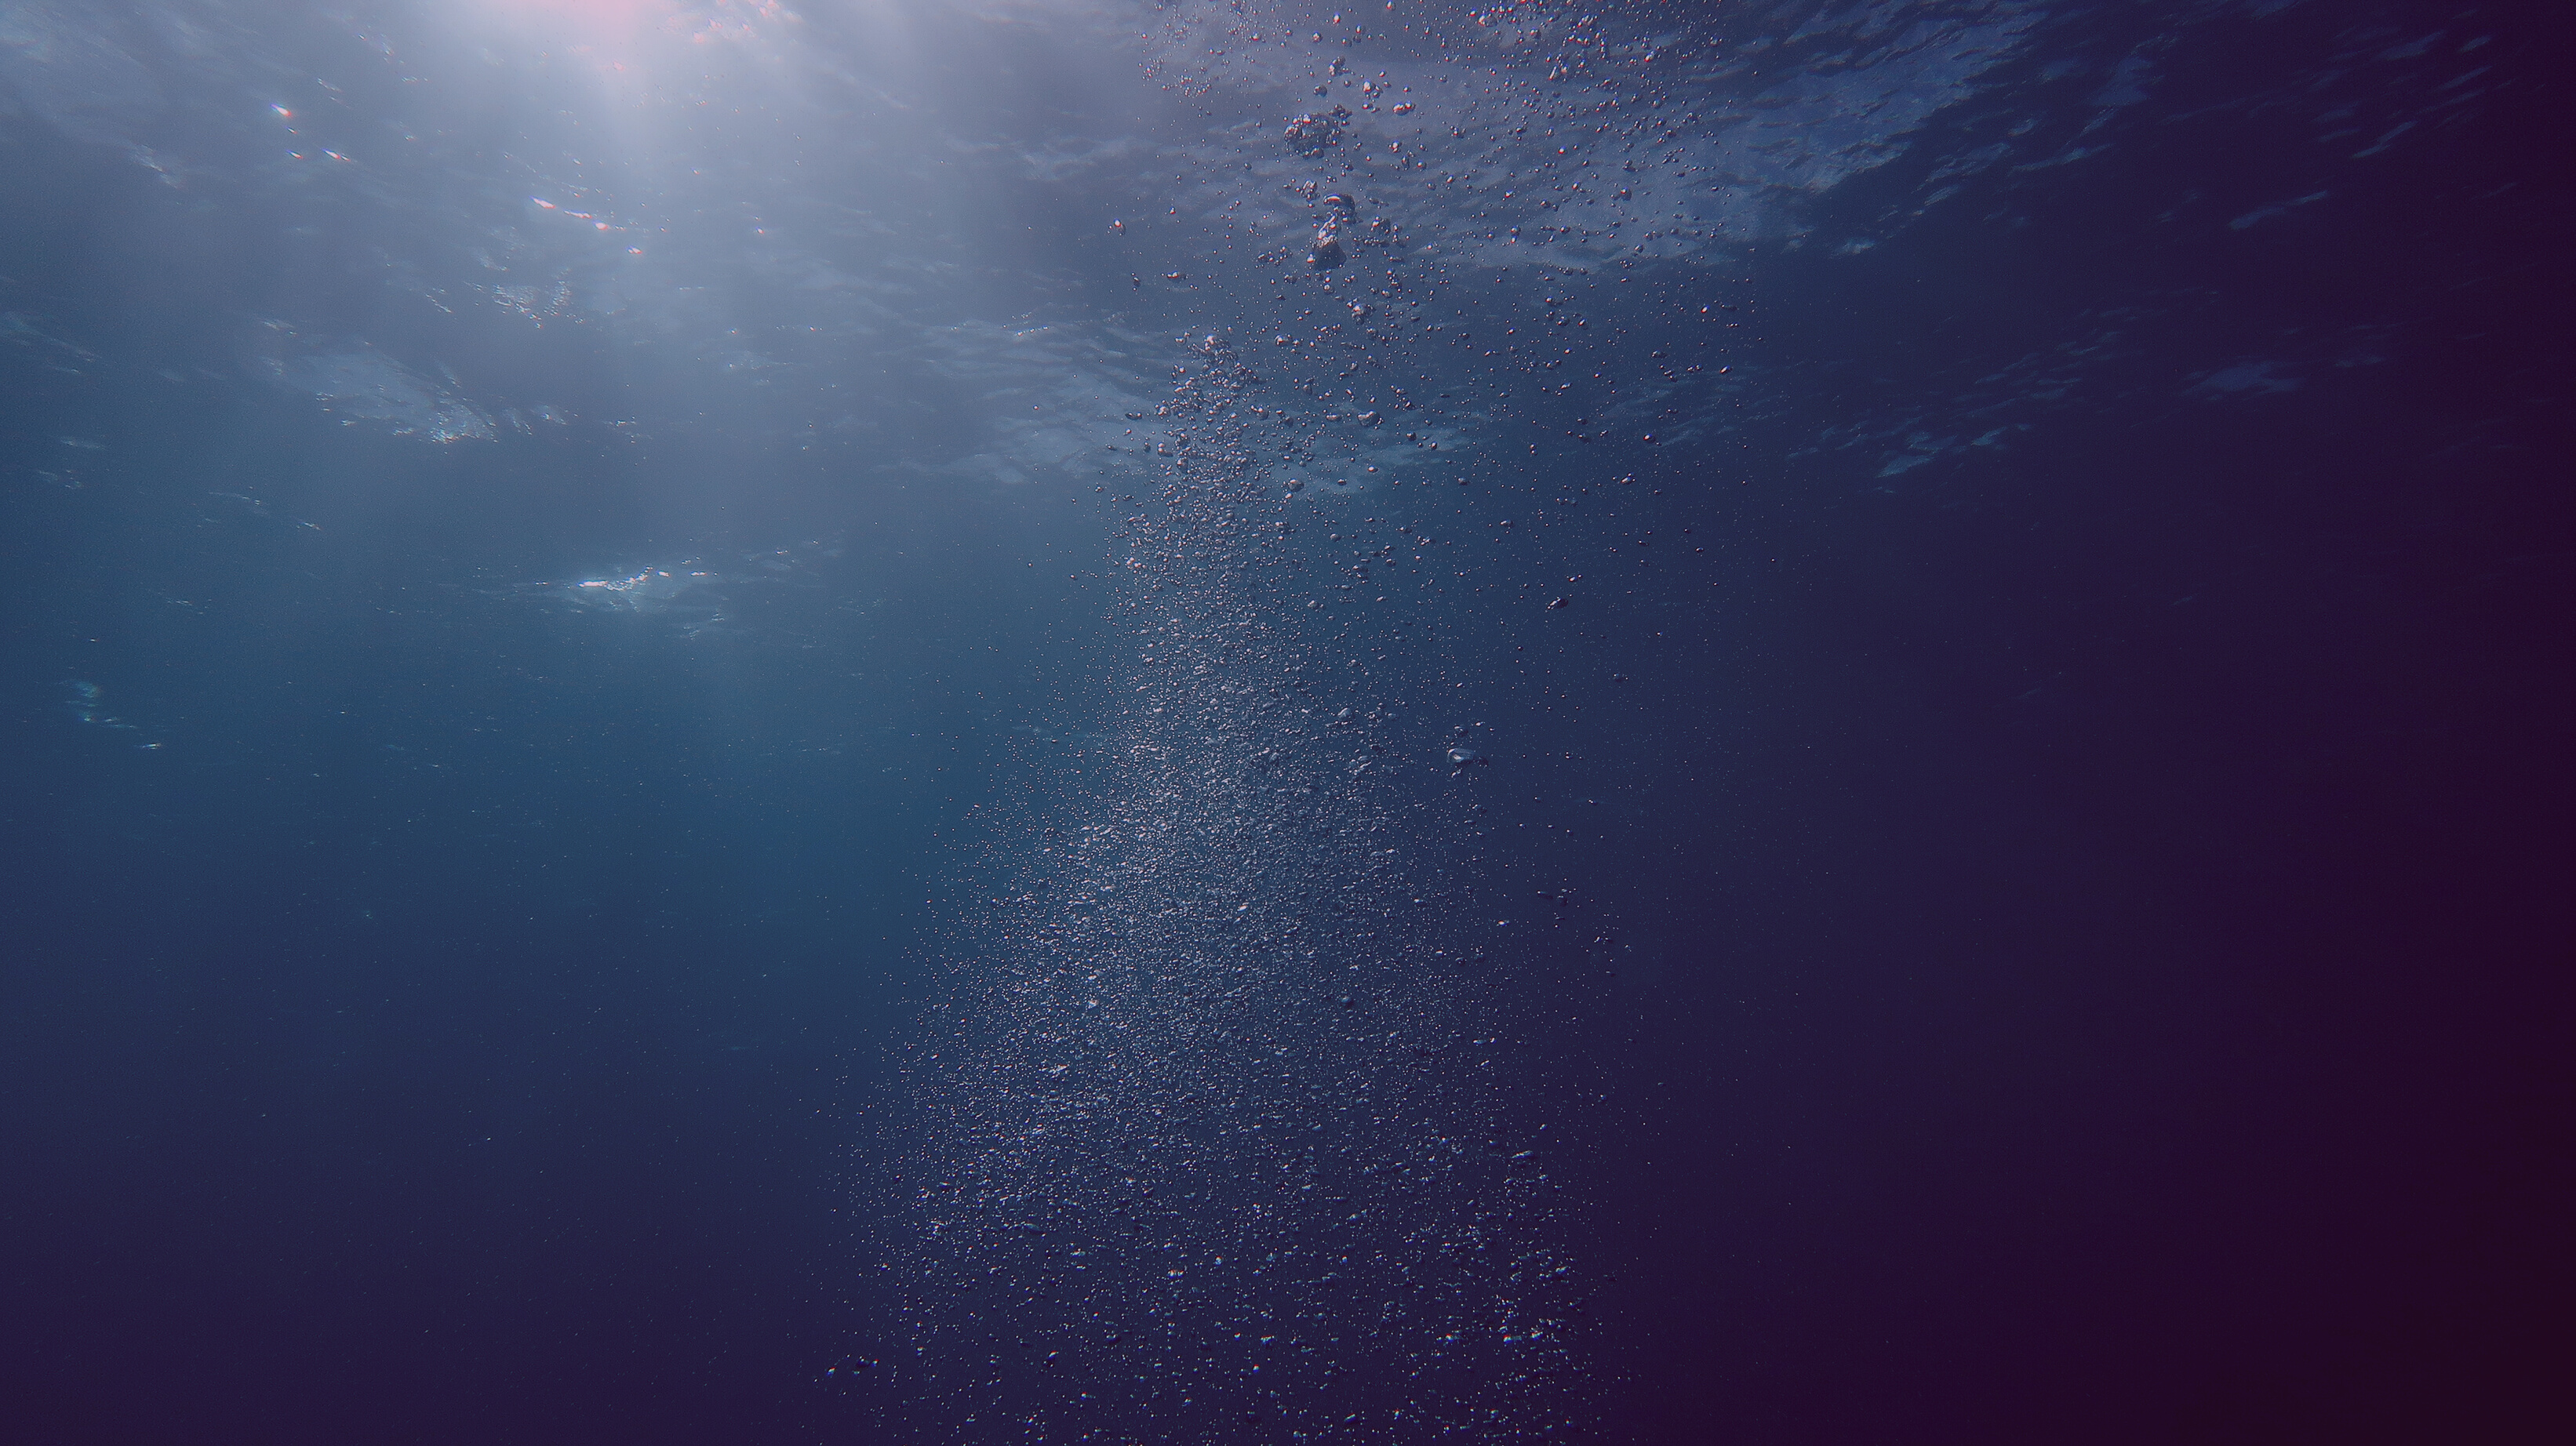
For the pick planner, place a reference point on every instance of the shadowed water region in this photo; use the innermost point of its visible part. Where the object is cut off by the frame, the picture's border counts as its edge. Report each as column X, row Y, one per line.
column 1067, row 720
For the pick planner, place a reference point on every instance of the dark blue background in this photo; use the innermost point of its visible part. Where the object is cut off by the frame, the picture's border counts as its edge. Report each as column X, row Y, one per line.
column 2091, row 921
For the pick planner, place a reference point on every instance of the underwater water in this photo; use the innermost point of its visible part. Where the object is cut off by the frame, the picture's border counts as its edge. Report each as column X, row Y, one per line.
column 1082, row 721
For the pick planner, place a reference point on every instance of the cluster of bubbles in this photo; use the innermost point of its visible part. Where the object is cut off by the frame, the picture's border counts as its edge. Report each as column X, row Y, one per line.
column 1314, row 133
column 1221, row 1132
column 1219, row 1136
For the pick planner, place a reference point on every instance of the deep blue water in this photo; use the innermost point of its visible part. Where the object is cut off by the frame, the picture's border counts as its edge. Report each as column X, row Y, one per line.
column 1824, row 725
